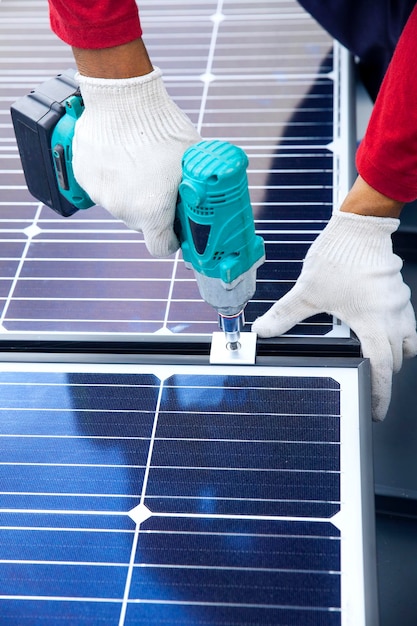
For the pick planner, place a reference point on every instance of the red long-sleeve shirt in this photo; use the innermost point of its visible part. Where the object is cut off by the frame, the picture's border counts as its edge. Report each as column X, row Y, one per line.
column 95, row 24
column 387, row 156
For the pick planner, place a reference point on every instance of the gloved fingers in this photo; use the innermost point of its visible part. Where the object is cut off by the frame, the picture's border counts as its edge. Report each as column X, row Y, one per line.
column 410, row 346
column 397, row 354
column 377, row 348
column 157, row 225
column 381, row 383
column 403, row 338
column 386, row 351
column 284, row 314
column 160, row 243
column 410, row 336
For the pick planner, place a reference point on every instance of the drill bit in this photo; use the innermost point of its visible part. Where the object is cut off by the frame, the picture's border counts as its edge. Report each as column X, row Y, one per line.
column 231, row 325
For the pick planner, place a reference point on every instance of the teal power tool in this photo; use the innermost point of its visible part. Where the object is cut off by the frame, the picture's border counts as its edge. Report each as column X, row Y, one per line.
column 217, row 232
column 214, row 220
column 61, row 145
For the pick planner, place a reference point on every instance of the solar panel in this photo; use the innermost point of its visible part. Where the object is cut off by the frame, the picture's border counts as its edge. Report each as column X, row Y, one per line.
column 150, row 487
column 177, row 493
column 262, row 75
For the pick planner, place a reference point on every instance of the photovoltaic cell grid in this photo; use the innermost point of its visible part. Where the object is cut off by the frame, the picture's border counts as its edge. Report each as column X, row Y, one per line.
column 259, row 74
column 162, row 495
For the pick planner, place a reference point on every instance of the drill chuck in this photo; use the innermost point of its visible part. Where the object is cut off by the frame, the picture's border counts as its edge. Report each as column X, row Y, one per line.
column 228, row 299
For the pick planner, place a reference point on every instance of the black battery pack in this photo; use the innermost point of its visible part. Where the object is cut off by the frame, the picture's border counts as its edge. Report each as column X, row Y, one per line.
column 34, row 118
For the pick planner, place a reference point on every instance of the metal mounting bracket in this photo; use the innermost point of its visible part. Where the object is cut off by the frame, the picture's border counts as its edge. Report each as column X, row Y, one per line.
column 221, row 354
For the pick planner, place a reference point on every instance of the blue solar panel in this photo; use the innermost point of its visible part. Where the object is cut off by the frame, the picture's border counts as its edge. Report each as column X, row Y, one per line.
column 179, row 494
column 164, row 493
column 262, row 75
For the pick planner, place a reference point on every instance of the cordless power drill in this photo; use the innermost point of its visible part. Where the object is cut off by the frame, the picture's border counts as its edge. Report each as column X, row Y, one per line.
column 214, row 220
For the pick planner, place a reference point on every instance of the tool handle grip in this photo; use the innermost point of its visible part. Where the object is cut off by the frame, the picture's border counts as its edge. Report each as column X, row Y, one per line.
column 61, row 145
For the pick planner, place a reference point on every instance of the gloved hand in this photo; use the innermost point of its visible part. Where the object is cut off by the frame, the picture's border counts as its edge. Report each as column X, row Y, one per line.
column 127, row 152
column 351, row 272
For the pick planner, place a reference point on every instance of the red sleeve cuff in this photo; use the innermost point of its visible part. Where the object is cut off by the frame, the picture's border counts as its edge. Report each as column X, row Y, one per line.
column 397, row 184
column 95, row 25
column 387, row 156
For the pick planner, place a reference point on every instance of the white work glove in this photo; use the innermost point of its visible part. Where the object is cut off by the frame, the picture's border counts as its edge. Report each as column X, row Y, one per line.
column 351, row 272
column 127, row 151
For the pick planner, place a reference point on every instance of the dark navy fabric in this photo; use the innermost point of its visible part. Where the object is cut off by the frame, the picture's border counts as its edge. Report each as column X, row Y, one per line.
column 370, row 29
